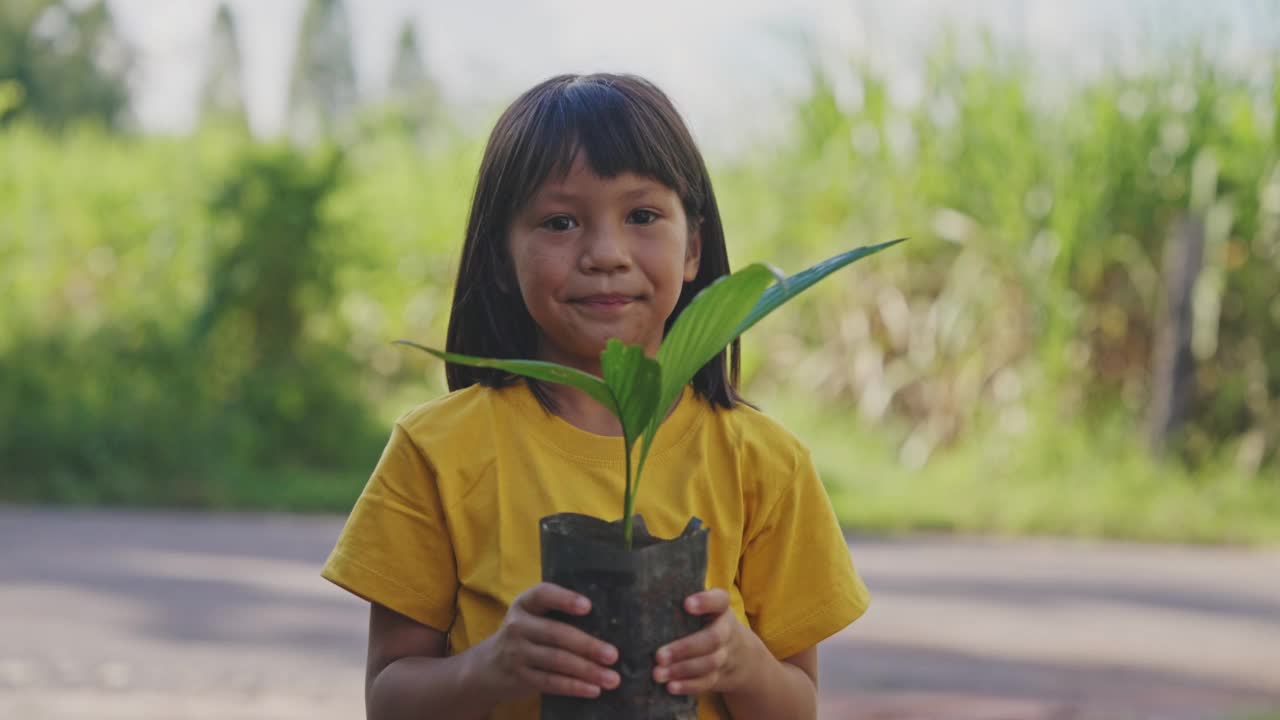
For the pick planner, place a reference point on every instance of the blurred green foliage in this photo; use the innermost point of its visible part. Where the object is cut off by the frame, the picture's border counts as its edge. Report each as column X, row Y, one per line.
column 158, row 337
column 206, row 321
column 1031, row 288
column 62, row 63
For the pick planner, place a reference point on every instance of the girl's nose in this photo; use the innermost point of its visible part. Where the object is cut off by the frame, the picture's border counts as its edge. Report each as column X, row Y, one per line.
column 604, row 251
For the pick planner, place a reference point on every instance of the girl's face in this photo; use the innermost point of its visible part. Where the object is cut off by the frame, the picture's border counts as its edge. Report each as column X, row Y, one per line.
column 599, row 258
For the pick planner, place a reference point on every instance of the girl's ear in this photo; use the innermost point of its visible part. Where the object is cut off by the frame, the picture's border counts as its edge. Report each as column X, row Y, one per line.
column 693, row 253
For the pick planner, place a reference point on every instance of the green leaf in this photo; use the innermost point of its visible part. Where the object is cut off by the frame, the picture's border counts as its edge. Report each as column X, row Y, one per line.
column 706, row 326
column 634, row 380
column 738, row 302
column 803, row 280
column 703, row 329
column 536, row 369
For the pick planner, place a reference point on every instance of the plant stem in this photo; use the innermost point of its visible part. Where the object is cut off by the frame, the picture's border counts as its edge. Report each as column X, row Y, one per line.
column 628, row 502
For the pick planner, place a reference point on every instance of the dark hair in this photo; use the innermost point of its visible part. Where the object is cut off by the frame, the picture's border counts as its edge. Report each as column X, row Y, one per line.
column 619, row 123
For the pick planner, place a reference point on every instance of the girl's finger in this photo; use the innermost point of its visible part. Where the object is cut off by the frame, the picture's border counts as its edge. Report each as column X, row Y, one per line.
column 545, row 597
column 704, row 642
column 698, row 686
column 552, row 684
column 551, row 633
column 707, row 602
column 562, row 662
column 690, row 669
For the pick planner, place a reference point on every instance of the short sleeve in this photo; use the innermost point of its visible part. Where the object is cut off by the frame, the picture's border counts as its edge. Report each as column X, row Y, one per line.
column 796, row 576
column 395, row 548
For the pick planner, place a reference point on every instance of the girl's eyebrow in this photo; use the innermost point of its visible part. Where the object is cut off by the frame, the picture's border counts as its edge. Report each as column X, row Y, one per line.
column 555, row 196
column 641, row 190
column 633, row 193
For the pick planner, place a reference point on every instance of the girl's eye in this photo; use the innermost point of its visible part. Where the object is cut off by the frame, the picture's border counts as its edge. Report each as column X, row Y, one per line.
column 559, row 223
column 643, row 217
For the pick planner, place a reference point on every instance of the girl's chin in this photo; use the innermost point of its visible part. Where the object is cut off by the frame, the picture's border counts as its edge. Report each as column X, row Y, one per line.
column 588, row 354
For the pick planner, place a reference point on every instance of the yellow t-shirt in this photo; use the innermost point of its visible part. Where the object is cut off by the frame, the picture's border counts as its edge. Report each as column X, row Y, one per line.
column 446, row 530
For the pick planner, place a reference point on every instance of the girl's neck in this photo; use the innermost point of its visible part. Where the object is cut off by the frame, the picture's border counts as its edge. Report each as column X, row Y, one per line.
column 583, row 412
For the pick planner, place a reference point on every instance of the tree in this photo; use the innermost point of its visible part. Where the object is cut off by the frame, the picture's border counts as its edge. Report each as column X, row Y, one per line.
column 322, row 95
column 222, row 95
column 410, row 92
column 61, row 63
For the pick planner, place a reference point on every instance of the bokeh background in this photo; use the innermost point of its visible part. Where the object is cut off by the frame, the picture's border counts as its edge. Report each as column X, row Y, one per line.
column 216, row 216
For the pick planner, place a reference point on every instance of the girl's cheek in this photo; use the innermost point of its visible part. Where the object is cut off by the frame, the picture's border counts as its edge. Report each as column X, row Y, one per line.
column 551, row 264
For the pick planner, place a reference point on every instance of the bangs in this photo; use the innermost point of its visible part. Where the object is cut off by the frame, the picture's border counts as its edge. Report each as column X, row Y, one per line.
column 613, row 131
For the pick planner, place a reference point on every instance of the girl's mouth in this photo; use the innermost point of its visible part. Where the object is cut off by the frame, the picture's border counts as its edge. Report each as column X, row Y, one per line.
column 610, row 300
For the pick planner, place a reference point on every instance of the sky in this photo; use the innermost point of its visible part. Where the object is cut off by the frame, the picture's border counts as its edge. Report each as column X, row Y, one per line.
column 726, row 63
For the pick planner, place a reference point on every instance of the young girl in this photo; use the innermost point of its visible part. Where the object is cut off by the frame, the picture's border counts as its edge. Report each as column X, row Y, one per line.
column 593, row 218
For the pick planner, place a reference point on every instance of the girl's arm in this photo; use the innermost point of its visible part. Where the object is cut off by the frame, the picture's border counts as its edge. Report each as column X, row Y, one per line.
column 781, row 688
column 408, row 676
column 728, row 658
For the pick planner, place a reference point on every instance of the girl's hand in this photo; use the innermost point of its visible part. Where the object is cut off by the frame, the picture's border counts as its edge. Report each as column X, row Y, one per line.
column 717, row 658
column 531, row 653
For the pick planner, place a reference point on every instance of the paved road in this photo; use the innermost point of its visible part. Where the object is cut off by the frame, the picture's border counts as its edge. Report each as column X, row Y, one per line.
column 142, row 616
